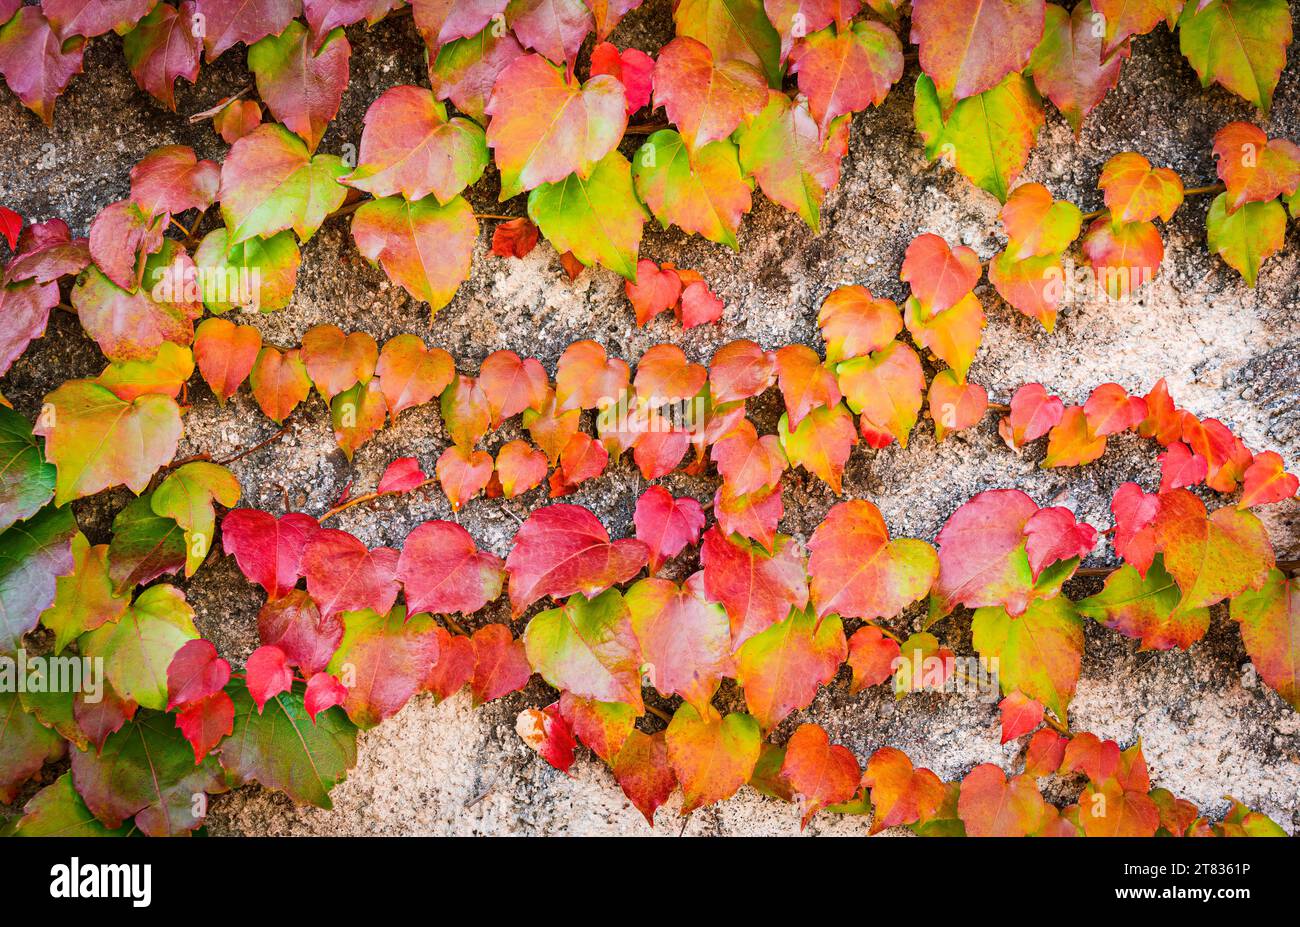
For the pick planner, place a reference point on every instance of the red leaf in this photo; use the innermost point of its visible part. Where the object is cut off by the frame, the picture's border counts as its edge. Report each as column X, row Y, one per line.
column 295, row 625
column 1020, row 715
column 342, row 575
column 402, row 475
column 500, row 664
column 819, row 773
column 514, row 238
column 443, row 572
column 194, row 673
column 463, row 473
column 643, row 772
column 631, row 67
column 981, row 553
column 268, row 550
column 900, row 793
column 1046, row 750
column 1135, row 514
column 172, row 179
column 871, row 657
column 454, row 666
column 1266, row 481
column 654, row 291
column 756, row 588
column 10, row 225
column 323, row 691
column 267, row 674
column 206, row 721
column 1179, row 467
column 547, row 733
column 1110, row 410
column 754, row 516
column 1052, row 535
column 563, row 549
column 666, row 525
column 698, row 305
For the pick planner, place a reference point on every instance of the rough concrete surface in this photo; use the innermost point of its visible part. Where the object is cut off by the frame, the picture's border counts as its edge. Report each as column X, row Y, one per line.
column 1226, row 350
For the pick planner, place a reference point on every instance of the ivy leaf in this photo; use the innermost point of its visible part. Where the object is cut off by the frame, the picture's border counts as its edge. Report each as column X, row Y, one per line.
column 165, row 374
column 282, row 748
column 597, row 218
column 1036, row 224
column 1212, row 558
column 954, row 405
column 782, row 667
column 813, row 16
column 195, row 673
column 463, row 473
column 1038, row 652
column 225, row 354
column 685, row 640
column 326, row 15
column 982, row 559
column 705, row 101
column 24, row 314
column 545, row 127
column 746, row 461
column 443, row 572
column 988, row 137
column 270, row 182
column 546, row 731
column 441, row 21
column 711, row 757
column 187, row 495
column 343, row 575
column 144, row 546
column 237, row 119
column 131, row 326
column 705, row 194
column 587, row 378
column 26, row 746
column 953, row 335
column 58, row 811
column 1137, row 192
column 632, row 68
column 357, row 414
column 969, row 46
column 644, row 773
column 1240, row 45
column 292, row 624
column 36, row 63
column 940, row 276
column 822, row 442
column 1052, row 536
column 519, row 467
column 500, row 664
column 146, row 770
column 555, row 28
column 733, row 30
column 403, row 475
column 514, row 238
column 91, row 18
column 1124, row 18
column 1033, row 414
column 588, row 647
column 1123, row 256
column 389, row 656
column 845, row 71
column 818, row 772
column 1269, row 618
column 990, row 806
column 885, row 388
column 226, row 24
column 410, row 147
column 268, row 549
column 900, row 793
column 1253, row 167
column 758, row 589
column 84, row 599
column 1068, row 66
column 465, row 71
column 858, row 572
column 411, row 374
column 301, row 78
column 1247, row 237
column 26, row 480
column 205, row 722
column 512, row 385
column 162, row 47
column 854, row 323
column 806, row 383
column 97, row 441
column 138, row 648
column 1147, row 607
column 33, row 553
column 171, row 179
column 424, row 247
column 337, row 362
column 279, row 382
column 795, row 164
column 1266, row 482
column 564, row 549
column 666, row 525
column 267, row 674
column 46, row 252
column 122, row 236
column 1071, row 442
column 1020, row 715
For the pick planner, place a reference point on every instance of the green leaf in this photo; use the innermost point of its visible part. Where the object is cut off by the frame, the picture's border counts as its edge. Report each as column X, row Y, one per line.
column 1240, row 44
column 736, row 29
column 1245, row 238
column 33, row 554
column 144, row 545
column 58, row 811
column 259, row 273
column 301, row 77
column 1147, row 608
column 1038, row 652
column 599, row 219
column 987, row 137
column 282, row 748
column 138, row 648
column 84, row 599
column 25, row 746
column 187, row 495
column 588, row 647
column 26, row 480
column 708, row 197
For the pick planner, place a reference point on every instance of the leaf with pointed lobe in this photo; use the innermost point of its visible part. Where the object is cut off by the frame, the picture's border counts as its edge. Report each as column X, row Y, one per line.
column 954, row 405
column 782, row 667
column 441, row 21
column 748, row 462
column 206, row 722
column 187, row 496
column 656, row 290
column 92, row 18
column 237, row 119
column 454, row 668
column 666, row 525
column 463, row 473
column 357, row 414
column 854, row 323
column 1266, row 482
column 270, row 182
column 501, row 666
column 1038, row 651
column 410, row 147
column 546, row 731
column 24, row 315
column 587, row 378
column 84, row 598
column 36, row 62
column 284, row 748
column 858, row 572
column 1045, row 753
column 990, row 806
column 818, row 772
column 26, row 480
column 267, row 549
column 279, row 382
column 1254, row 168
column 969, row 46
column 885, row 388
column 795, row 164
column 545, row 126
column 1147, row 607
column 822, row 443
column 1071, row 442
column 846, row 70
column 555, row 28
column 711, row 757
column 402, row 476
column 512, row 385
column 900, row 792
column 1226, row 457
column 661, row 447
column 1269, row 619
column 465, row 411
column 940, row 276
column 1164, row 422
column 643, row 772
column 1110, row 410
column 631, row 67
column 25, row 746
column 753, row 516
column 684, row 639
column 519, row 467
column 1137, row 192
column 411, row 374
column 47, row 251
column 733, row 30
column 1181, row 467
column 805, row 382
column 59, row 811
column 1069, row 67
column 122, row 236
column 295, row 625
column 267, row 674
column 225, row 354
column 552, row 429
column 323, row 691
column 987, row 138
column 227, row 24
column 138, row 647
column 172, row 180
column 588, row 647
column 131, row 326
column 602, row 726
column 740, row 370
column 326, row 15
column 663, row 375
column 953, row 335
column 1240, row 45
column 144, row 546
column 702, row 192
column 757, row 589
column 564, row 549
column 514, row 238
column 301, row 78
column 464, row 71
column 1248, row 237
column 1020, row 715
column 343, row 575
column 388, row 656
column 1036, row 224
column 1211, row 558
column 1052, row 535
column 598, row 218
column 707, row 100
column 871, row 657
column 422, row 246
column 1135, row 513
column 794, row 19
column 982, row 559
column 1125, row 18
column 442, row 571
